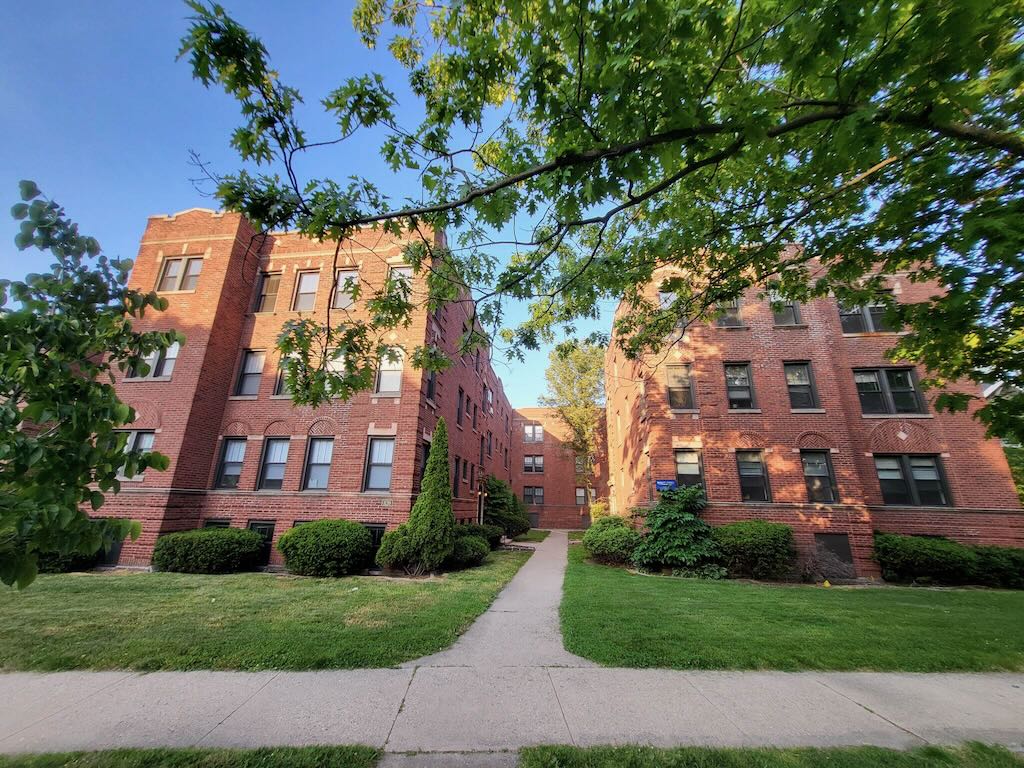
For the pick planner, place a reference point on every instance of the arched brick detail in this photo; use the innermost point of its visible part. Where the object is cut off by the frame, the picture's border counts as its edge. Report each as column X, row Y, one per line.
column 752, row 440
column 147, row 416
column 323, row 427
column 813, row 440
column 903, row 436
column 280, row 428
column 238, row 428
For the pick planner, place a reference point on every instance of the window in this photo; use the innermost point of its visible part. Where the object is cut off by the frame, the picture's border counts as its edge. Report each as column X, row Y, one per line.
column 389, row 373
column 458, row 412
column 379, row 458
column 912, row 480
column 141, row 441
column 482, row 449
column 533, row 433
column 345, row 288
column 739, row 385
column 469, row 407
column 180, row 274
column 281, row 382
column 455, row 479
column 666, row 299
column 160, row 363
column 581, row 496
column 266, row 299
column 488, row 400
column 465, row 471
column 533, row 494
column 821, row 481
column 376, row 533
column 689, row 468
column 476, row 361
column 680, row 387
column 305, row 291
column 318, row 463
column 475, row 412
column 581, row 464
column 534, row 464
column 266, row 531
column 888, row 390
column 250, row 373
column 401, row 274
column 753, row 476
column 490, row 443
column 216, row 523
column 472, row 476
column 730, row 317
column 275, row 457
column 788, row 312
column 506, row 456
column 869, row 318
column 232, row 455
column 800, row 384
column 431, row 379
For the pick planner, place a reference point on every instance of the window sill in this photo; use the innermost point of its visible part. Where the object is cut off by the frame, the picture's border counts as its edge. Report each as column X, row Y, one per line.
column 791, row 325
column 684, row 410
column 858, row 334
column 243, row 397
column 370, row 492
column 314, row 491
column 430, row 403
column 280, row 397
column 744, row 410
column 806, row 410
column 175, row 292
column 897, row 416
column 265, row 312
column 733, row 327
column 138, row 379
column 387, row 395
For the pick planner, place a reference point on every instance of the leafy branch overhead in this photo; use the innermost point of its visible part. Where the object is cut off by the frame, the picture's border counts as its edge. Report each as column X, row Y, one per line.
column 64, row 332
column 577, row 149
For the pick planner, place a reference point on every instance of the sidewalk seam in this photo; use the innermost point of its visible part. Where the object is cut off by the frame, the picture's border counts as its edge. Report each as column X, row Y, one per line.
column 720, row 710
column 561, row 709
column 241, row 704
column 871, row 711
column 69, row 705
column 401, row 706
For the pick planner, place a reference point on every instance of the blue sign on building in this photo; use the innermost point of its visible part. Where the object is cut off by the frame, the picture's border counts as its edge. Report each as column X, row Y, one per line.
column 664, row 485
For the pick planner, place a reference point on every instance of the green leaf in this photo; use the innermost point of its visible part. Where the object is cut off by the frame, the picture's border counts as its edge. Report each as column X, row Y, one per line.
column 28, row 189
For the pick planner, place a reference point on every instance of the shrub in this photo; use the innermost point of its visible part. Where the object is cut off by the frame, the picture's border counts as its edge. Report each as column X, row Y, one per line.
column 208, row 550
column 934, row 559
column 676, row 537
column 756, row 549
column 326, row 548
column 396, row 549
column 431, row 524
column 608, row 521
column 612, row 544
column 469, row 551
column 503, row 508
column 490, row 533
column 55, row 562
column 920, row 558
column 598, row 509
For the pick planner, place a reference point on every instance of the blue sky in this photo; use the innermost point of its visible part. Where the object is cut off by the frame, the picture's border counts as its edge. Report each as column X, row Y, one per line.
column 100, row 114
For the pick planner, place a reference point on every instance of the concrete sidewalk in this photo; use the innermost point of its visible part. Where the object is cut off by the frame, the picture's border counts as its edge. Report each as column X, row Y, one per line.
column 506, row 684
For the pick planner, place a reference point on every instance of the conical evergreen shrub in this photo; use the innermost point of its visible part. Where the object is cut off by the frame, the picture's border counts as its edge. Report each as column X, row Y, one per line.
column 432, row 522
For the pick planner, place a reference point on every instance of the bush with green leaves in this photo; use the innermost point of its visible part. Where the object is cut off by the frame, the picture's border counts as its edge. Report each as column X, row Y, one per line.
column 208, row 550
column 492, row 534
column 326, row 548
column 676, row 537
column 756, row 549
column 932, row 559
column 468, row 552
column 598, row 509
column 608, row 521
column 611, row 544
column 503, row 508
column 426, row 540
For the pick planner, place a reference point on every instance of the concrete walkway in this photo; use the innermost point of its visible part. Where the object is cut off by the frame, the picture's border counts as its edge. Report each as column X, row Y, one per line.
column 506, row 684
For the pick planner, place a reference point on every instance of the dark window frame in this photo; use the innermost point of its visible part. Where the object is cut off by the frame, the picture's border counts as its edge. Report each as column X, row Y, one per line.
column 458, row 412
column 886, row 390
column 243, row 376
column 700, row 467
column 767, row 488
column 221, row 462
column 531, row 493
column 905, row 462
column 732, row 314
column 752, row 399
column 157, row 362
column 262, row 293
column 580, row 490
column 262, row 480
column 681, row 398
column 833, row 488
column 790, row 309
column 368, row 465
column 381, row 371
column 865, row 318
column 308, row 465
column 530, row 464
column 811, row 385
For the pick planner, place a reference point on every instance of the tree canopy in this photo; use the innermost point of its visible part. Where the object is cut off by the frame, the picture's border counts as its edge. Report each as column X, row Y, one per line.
column 62, row 438
column 575, row 379
column 880, row 135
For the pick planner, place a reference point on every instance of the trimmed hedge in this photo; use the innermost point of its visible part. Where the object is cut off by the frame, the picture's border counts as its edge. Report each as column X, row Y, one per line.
column 397, row 549
column 611, row 543
column 469, row 551
column 208, row 550
column 490, row 533
column 756, row 549
column 326, row 548
column 926, row 559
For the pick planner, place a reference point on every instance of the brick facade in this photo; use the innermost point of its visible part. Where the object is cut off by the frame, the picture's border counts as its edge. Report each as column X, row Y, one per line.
column 644, row 432
column 193, row 410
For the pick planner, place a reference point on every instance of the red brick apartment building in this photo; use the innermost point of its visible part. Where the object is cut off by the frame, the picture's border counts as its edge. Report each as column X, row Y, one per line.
column 556, row 484
column 241, row 454
column 798, row 417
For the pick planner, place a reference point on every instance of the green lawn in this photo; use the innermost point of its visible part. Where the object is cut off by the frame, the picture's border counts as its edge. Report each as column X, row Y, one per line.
column 278, row 757
column 576, row 535
column 249, row 621
column 621, row 619
column 968, row 756
column 534, row 534
column 1015, row 456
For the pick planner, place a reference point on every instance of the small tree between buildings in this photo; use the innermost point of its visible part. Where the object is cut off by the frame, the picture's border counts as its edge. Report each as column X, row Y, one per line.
column 503, row 508
column 427, row 539
column 575, row 378
column 62, row 334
